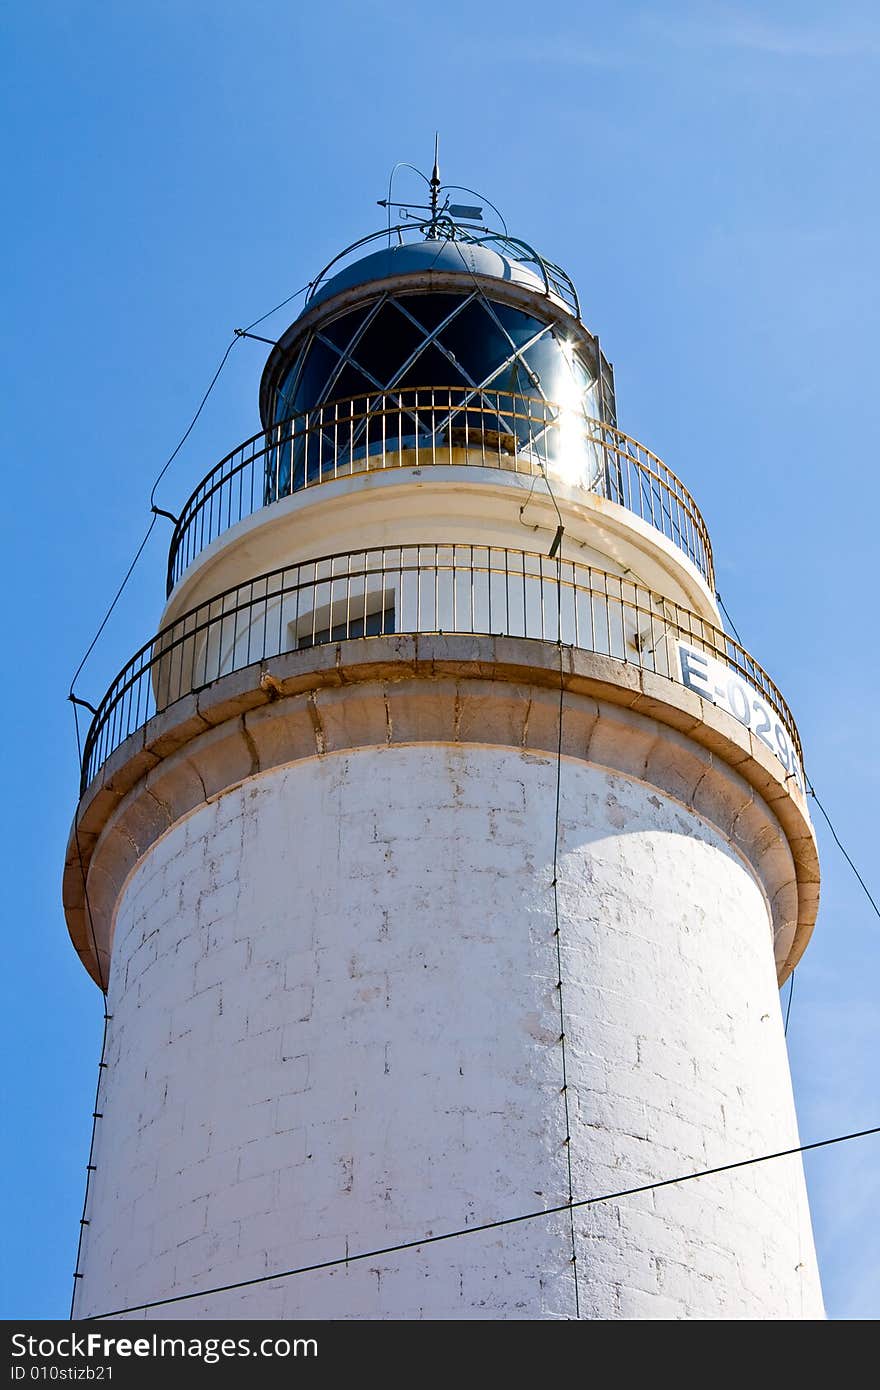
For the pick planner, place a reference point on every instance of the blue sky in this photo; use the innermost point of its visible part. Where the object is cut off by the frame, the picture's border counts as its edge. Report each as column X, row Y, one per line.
column 707, row 175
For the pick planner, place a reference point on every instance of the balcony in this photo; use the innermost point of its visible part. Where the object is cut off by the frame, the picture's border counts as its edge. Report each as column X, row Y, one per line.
column 440, row 427
column 445, row 589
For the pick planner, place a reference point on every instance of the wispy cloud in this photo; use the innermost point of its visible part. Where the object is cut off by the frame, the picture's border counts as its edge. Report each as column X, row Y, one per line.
column 645, row 39
column 734, row 27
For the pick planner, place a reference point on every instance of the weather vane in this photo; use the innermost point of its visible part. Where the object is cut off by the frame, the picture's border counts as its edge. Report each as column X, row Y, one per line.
column 449, row 213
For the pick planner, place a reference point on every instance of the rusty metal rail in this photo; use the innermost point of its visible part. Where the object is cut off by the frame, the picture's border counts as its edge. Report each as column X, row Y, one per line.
column 432, row 426
column 412, row 589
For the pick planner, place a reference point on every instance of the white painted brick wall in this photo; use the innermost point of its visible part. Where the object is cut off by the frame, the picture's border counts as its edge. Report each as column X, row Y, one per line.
column 335, row 1020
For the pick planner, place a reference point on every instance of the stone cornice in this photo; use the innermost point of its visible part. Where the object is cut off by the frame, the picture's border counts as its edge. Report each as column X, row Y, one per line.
column 386, row 691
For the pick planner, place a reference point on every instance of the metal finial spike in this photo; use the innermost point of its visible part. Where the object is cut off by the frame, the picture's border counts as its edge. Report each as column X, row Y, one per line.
column 435, row 178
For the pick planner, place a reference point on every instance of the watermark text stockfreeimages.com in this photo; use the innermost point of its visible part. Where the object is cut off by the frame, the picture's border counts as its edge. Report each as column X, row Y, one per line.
column 99, row 1346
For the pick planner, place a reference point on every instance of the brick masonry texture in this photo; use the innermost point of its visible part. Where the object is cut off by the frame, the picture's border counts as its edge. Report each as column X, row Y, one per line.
column 335, row 1027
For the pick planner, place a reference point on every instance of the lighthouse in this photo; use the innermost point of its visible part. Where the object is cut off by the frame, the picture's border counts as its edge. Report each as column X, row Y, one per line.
column 440, row 855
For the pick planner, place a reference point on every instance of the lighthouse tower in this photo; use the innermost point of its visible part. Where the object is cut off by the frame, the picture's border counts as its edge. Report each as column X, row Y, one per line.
column 441, row 855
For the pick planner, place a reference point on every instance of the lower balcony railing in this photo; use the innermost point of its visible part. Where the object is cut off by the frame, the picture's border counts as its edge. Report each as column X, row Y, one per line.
column 439, row 589
column 418, row 428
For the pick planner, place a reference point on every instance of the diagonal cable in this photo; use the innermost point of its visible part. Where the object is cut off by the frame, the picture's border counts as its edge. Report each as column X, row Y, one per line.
column 348, row 1258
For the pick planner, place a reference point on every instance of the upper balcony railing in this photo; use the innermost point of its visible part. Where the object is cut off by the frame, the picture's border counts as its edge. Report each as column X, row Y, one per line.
column 439, row 589
column 417, row 428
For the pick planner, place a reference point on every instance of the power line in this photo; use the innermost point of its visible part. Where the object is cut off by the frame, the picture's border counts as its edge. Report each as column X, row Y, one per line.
column 348, row 1259
column 116, row 597
column 161, row 474
column 728, row 617
column 156, row 513
column 269, row 312
column 788, row 1009
column 191, row 426
column 167, row 464
column 812, row 791
column 867, row 891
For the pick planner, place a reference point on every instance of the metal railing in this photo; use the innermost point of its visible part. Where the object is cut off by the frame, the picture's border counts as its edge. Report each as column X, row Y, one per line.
column 411, row 589
column 416, row 428
column 556, row 280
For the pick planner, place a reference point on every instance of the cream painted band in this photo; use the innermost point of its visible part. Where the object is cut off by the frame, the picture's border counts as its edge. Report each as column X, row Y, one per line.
column 464, row 504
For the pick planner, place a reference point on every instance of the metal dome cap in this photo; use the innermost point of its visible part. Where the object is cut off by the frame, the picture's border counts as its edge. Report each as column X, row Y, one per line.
column 335, row 350
column 452, row 249
column 437, row 302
